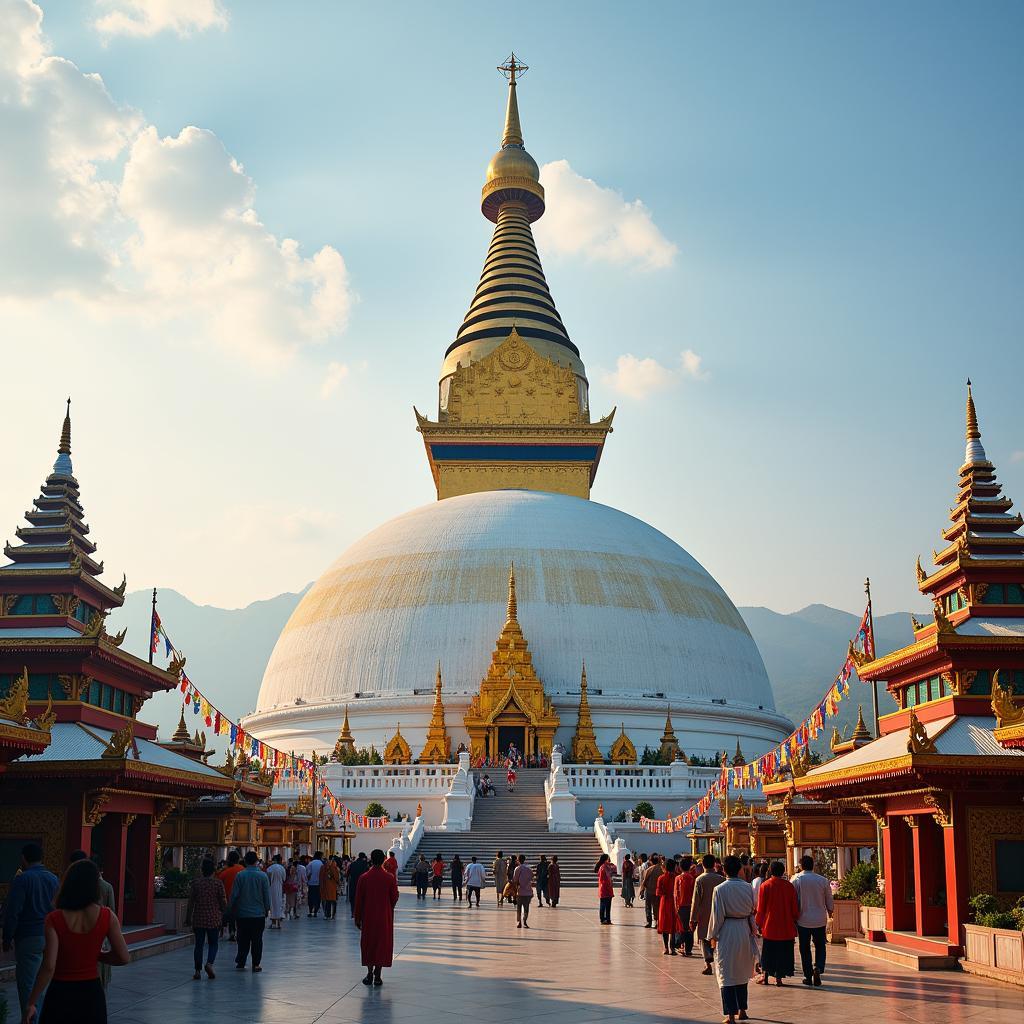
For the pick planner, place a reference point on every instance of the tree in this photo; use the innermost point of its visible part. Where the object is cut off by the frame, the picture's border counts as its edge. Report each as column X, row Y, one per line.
column 644, row 809
column 374, row 809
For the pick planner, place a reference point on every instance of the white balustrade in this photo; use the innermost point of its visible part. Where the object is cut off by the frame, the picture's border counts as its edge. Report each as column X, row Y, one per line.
column 396, row 779
column 405, row 846
column 459, row 800
column 615, row 848
column 561, row 802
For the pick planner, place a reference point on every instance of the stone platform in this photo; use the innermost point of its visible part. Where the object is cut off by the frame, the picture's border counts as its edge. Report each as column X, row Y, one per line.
column 456, row 966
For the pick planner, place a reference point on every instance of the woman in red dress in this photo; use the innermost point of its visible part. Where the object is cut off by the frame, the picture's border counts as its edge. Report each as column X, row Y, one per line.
column 777, row 912
column 604, row 869
column 668, row 919
column 376, row 896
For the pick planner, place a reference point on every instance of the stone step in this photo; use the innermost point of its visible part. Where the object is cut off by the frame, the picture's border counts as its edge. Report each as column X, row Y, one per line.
column 904, row 956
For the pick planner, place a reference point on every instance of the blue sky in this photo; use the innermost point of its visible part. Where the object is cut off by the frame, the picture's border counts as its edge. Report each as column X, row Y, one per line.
column 831, row 222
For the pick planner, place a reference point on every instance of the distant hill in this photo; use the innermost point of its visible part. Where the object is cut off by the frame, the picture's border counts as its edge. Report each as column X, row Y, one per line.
column 228, row 649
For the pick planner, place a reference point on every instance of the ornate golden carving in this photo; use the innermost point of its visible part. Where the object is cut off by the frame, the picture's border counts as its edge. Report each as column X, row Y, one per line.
column 910, row 820
column 963, row 549
column 7, row 602
column 1003, row 706
column 120, row 588
column 921, row 574
column 346, row 743
column 859, row 658
column 129, row 820
column 14, row 707
column 117, row 639
column 942, row 808
column 75, row 564
column 74, row 685
column 622, row 751
column 119, row 742
column 942, row 623
column 800, row 763
column 980, row 590
column 46, row 720
column 94, row 803
column 965, row 593
column 511, row 693
column 918, row 740
column 176, row 665
column 584, row 741
column 66, row 603
column 986, row 825
column 163, row 811
column 95, row 626
column 229, row 766
column 438, row 748
column 876, row 811
column 397, row 750
column 455, row 479
column 916, row 623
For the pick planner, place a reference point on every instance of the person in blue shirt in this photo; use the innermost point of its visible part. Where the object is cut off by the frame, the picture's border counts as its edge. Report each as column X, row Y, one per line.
column 250, row 904
column 29, row 901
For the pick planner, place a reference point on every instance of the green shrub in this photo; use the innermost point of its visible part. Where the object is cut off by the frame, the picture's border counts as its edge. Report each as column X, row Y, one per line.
column 987, row 914
column 176, row 885
column 860, row 879
column 871, row 899
column 644, row 809
column 374, row 809
column 621, row 816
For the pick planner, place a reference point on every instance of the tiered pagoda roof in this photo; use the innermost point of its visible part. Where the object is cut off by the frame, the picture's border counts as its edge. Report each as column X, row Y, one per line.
column 584, row 742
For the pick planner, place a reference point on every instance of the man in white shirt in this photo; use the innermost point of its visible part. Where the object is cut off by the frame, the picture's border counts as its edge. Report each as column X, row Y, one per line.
column 475, row 876
column 814, row 897
column 313, row 869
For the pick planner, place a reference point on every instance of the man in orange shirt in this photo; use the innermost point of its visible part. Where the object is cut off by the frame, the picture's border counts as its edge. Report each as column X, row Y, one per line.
column 228, row 876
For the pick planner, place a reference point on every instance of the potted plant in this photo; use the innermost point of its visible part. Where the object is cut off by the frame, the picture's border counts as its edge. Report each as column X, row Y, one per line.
column 859, row 906
column 994, row 943
column 170, row 898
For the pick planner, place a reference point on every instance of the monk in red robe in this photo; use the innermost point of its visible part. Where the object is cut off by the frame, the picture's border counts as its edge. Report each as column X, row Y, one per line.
column 376, row 896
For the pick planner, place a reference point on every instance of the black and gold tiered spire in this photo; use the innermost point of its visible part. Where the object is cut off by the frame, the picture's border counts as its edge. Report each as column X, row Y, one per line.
column 513, row 408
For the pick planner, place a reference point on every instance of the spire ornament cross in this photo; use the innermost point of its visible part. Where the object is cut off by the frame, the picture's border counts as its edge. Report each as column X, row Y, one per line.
column 513, row 68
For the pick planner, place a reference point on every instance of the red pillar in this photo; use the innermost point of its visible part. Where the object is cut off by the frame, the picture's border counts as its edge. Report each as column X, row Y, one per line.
column 114, row 839
column 899, row 914
column 957, row 881
column 141, row 853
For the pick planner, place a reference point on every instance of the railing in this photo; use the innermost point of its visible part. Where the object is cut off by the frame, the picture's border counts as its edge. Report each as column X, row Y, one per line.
column 405, row 845
column 615, row 848
column 676, row 780
column 459, row 799
column 392, row 778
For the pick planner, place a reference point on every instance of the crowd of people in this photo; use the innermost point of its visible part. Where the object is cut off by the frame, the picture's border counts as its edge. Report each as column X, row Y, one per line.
column 744, row 915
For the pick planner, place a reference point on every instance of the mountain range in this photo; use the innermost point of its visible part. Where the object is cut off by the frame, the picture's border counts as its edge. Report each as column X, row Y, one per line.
column 228, row 649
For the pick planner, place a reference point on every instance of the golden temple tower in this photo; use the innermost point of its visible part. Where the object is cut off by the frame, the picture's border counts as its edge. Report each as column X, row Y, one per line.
column 669, row 744
column 346, row 743
column 584, row 741
column 513, row 407
column 438, row 748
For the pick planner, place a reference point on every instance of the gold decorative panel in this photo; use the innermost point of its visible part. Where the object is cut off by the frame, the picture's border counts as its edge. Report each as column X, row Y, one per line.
column 984, row 826
column 46, row 824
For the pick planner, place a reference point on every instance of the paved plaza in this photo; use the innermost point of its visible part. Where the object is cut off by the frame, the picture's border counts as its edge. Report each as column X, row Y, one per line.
column 458, row 965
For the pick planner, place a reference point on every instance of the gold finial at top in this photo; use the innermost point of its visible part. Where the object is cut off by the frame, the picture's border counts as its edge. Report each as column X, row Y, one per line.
column 583, row 677
column 181, row 733
column 64, row 448
column 973, row 432
column 513, row 134
column 860, row 730
column 513, row 609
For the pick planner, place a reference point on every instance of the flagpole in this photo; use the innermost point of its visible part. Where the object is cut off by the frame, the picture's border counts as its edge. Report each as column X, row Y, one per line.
column 151, row 620
column 312, row 775
column 871, row 627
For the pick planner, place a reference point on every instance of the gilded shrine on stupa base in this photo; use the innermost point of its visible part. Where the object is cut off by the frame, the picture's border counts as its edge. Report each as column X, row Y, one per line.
column 511, row 707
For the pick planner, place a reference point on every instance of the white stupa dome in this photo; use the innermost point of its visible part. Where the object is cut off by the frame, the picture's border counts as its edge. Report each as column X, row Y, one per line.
column 430, row 586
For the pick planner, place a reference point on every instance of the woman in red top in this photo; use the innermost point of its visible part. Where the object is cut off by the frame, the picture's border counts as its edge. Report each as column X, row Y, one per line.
column 777, row 912
column 437, row 875
column 683, row 893
column 74, row 935
column 668, row 920
column 604, row 869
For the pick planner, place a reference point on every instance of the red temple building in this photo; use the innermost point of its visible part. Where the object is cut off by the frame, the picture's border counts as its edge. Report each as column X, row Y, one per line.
column 84, row 772
column 945, row 778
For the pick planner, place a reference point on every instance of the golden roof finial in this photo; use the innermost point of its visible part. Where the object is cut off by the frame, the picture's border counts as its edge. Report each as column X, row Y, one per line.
column 64, row 448
column 437, row 684
column 181, row 733
column 513, row 133
column 583, row 677
column 513, row 608
column 973, row 432
column 346, row 731
column 860, row 730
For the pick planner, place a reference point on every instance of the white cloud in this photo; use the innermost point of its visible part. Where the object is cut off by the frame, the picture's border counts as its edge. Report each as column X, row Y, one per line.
column 1017, row 457
column 96, row 205
column 640, row 378
column 148, row 17
column 336, row 373
column 584, row 219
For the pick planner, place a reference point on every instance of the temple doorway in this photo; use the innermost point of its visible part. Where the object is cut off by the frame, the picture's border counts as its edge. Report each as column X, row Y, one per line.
column 511, row 734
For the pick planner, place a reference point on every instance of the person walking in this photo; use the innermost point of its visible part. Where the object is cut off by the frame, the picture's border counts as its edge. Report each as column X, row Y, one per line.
column 542, row 880
column 668, row 919
column 628, row 890
column 814, row 896
column 420, row 877
column 650, row 890
column 302, row 876
column 457, row 872
column 700, row 908
column 330, row 882
column 554, row 881
column 682, row 896
column 777, row 913
column 107, row 900
column 249, row 905
column 74, row 936
column 204, row 912
column 500, row 871
column 391, row 864
column 228, row 875
column 475, row 878
column 29, row 900
column 604, row 870
column 291, row 890
column 356, row 870
column 275, row 876
column 731, row 928
column 522, row 881
column 376, row 896
column 314, row 872
column 437, row 875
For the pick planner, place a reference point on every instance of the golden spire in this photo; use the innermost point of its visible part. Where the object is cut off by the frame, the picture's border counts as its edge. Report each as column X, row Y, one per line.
column 584, row 743
column 738, row 758
column 438, row 748
column 860, row 730
column 513, row 134
column 64, row 448
column 181, row 733
column 669, row 743
column 513, row 609
column 973, row 433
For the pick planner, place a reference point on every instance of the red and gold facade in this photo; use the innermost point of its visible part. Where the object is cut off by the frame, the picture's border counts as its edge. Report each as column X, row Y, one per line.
column 945, row 779
column 101, row 783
